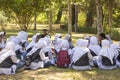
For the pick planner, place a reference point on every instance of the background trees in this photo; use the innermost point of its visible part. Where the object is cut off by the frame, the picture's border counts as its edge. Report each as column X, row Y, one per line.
column 99, row 14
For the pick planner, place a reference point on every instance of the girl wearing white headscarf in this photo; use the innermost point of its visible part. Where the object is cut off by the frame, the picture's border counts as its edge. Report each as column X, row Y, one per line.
column 48, row 49
column 35, row 39
column 69, row 39
column 71, row 52
column 55, row 39
column 37, row 56
column 93, row 46
column 58, row 45
column 109, row 39
column 116, row 49
column 106, row 56
column 82, row 58
column 23, row 37
column 8, row 60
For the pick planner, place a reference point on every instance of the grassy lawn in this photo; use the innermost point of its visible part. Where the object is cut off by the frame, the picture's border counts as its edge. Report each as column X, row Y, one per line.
column 54, row 73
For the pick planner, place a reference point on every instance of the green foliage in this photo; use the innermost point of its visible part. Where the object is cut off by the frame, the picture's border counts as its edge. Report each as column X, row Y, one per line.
column 3, row 20
column 87, row 30
column 115, row 34
column 116, row 19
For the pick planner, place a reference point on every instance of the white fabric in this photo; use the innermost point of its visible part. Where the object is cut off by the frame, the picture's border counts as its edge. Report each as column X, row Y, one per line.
column 32, row 43
column 107, row 51
column 115, row 48
column 57, row 36
column 67, row 37
column 94, row 45
column 81, row 50
column 22, row 35
column 64, row 45
column 58, row 45
column 35, row 65
column 39, row 45
column 11, row 37
column 55, row 39
column 8, row 70
column 8, row 51
column 109, row 39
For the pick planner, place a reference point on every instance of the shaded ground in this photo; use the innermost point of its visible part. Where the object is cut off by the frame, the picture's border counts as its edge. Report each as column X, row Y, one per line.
column 54, row 73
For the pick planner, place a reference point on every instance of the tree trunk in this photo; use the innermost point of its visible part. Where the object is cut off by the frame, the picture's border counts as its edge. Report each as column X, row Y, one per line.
column 59, row 15
column 76, row 18
column 69, row 18
column 35, row 16
column 99, row 16
column 90, row 14
column 73, row 14
column 50, row 22
column 110, row 11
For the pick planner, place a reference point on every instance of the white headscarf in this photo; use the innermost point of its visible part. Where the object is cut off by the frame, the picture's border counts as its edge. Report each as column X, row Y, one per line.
column 81, row 50
column 22, row 35
column 39, row 45
column 15, row 40
column 11, row 37
column 67, row 37
column 64, row 45
column 115, row 48
column 47, row 40
column 32, row 43
column 94, row 45
column 71, row 52
column 109, row 39
column 58, row 45
column 107, row 51
column 57, row 36
column 7, row 51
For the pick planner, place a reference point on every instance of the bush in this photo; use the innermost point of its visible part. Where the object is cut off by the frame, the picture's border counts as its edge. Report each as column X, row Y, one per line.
column 87, row 30
column 115, row 34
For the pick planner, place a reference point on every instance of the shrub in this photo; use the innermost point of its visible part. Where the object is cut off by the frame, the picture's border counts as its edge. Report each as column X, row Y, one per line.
column 115, row 34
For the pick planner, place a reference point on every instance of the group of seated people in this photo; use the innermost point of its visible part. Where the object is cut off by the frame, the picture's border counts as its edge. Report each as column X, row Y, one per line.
column 16, row 53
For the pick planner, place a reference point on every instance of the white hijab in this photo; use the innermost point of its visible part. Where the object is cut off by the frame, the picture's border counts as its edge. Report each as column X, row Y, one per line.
column 115, row 47
column 107, row 51
column 32, row 43
column 64, row 45
column 22, row 35
column 71, row 52
column 94, row 45
column 109, row 39
column 39, row 45
column 58, row 45
column 81, row 50
column 7, row 51
column 67, row 37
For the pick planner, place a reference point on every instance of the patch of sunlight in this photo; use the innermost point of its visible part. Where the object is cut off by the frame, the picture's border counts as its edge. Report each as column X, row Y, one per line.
column 91, row 72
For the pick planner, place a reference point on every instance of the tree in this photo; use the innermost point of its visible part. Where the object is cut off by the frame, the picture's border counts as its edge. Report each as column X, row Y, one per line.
column 99, row 16
column 90, row 14
column 69, row 18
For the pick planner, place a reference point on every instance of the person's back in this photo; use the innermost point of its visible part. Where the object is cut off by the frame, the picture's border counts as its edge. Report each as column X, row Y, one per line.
column 93, row 46
column 82, row 58
column 106, row 56
column 8, row 60
column 63, row 58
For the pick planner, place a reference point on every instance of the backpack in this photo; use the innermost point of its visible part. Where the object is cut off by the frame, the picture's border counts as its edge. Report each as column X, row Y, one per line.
column 63, row 59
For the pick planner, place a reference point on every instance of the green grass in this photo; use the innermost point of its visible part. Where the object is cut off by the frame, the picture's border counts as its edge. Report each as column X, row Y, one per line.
column 54, row 73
